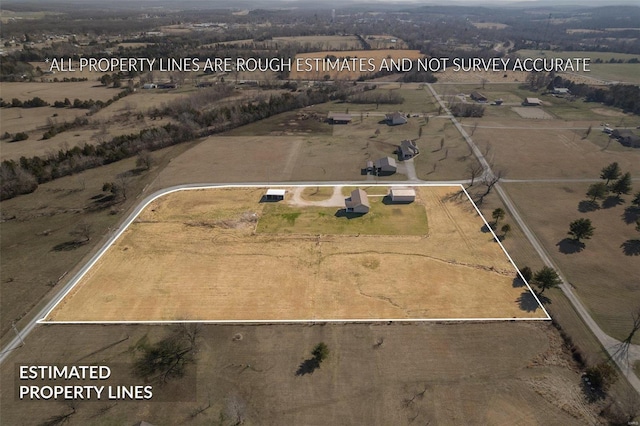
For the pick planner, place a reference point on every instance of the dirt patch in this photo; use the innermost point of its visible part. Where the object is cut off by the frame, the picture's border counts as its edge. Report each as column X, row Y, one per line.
column 163, row 269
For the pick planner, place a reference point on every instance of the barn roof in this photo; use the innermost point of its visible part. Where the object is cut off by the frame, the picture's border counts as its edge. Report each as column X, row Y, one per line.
column 358, row 198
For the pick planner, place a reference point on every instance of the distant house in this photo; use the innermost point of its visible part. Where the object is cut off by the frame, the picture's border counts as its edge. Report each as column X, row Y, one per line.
column 395, row 119
column 275, row 194
column 358, row 202
column 339, row 118
column 478, row 97
column 385, row 166
column 402, row 195
column 626, row 137
column 560, row 91
column 150, row 86
column 532, row 102
column 407, row 150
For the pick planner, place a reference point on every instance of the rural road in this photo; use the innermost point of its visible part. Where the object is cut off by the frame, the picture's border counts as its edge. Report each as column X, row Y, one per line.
column 609, row 343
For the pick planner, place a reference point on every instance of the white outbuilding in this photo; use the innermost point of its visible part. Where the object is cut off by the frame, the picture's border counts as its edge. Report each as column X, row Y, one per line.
column 402, row 195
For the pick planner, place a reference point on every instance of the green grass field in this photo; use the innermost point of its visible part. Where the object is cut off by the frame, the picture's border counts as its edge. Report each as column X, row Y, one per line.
column 382, row 219
column 604, row 56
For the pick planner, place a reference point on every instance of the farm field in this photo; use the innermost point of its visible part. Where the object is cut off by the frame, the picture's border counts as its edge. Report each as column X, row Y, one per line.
column 377, row 55
column 604, row 273
column 456, row 271
column 541, row 152
column 627, row 72
column 51, row 92
column 499, row 373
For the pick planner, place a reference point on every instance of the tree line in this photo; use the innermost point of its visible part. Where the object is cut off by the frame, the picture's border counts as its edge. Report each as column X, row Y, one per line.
column 23, row 176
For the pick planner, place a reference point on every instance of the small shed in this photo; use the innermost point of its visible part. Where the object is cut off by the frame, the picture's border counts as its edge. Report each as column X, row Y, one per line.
column 358, row 202
column 532, row 102
column 478, row 97
column 402, row 195
column 385, row 166
column 395, row 119
column 339, row 118
column 275, row 194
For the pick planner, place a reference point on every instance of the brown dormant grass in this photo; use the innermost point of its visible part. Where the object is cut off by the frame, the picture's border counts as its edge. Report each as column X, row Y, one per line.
column 194, row 255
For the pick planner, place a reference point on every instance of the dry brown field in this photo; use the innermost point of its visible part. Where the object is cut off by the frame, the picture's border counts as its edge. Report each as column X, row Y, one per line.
column 602, row 275
column 51, row 92
column 35, row 231
column 377, row 55
column 540, row 152
column 376, row 374
column 196, row 255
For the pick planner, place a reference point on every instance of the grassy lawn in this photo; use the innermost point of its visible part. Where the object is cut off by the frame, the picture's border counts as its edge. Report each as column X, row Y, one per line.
column 288, row 123
column 416, row 100
column 605, row 56
column 616, row 72
column 398, row 219
column 317, row 193
column 370, row 190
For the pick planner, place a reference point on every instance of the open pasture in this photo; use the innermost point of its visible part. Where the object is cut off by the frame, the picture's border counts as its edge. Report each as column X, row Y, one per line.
column 203, row 255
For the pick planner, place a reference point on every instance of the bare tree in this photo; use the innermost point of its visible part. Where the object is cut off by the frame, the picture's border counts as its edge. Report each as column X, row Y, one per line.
column 622, row 349
column 144, row 160
column 82, row 230
column 490, row 180
column 474, row 170
column 474, row 127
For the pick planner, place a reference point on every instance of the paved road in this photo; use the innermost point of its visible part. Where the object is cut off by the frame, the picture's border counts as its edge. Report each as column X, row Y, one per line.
column 608, row 342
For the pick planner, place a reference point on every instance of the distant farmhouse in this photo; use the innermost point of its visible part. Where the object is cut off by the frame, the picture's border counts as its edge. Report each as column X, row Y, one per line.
column 402, row 195
column 150, row 86
column 385, row 166
column 626, row 137
column 532, row 102
column 407, row 150
column 478, row 97
column 395, row 119
column 358, row 202
column 560, row 91
column 339, row 118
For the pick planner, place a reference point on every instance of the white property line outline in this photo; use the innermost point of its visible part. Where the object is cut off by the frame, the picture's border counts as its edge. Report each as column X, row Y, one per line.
column 161, row 193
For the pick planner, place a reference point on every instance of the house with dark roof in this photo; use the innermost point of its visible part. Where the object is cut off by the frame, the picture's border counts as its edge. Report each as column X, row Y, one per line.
column 395, row 119
column 626, row 137
column 407, row 150
column 339, row 118
column 358, row 202
column 385, row 166
column 478, row 97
